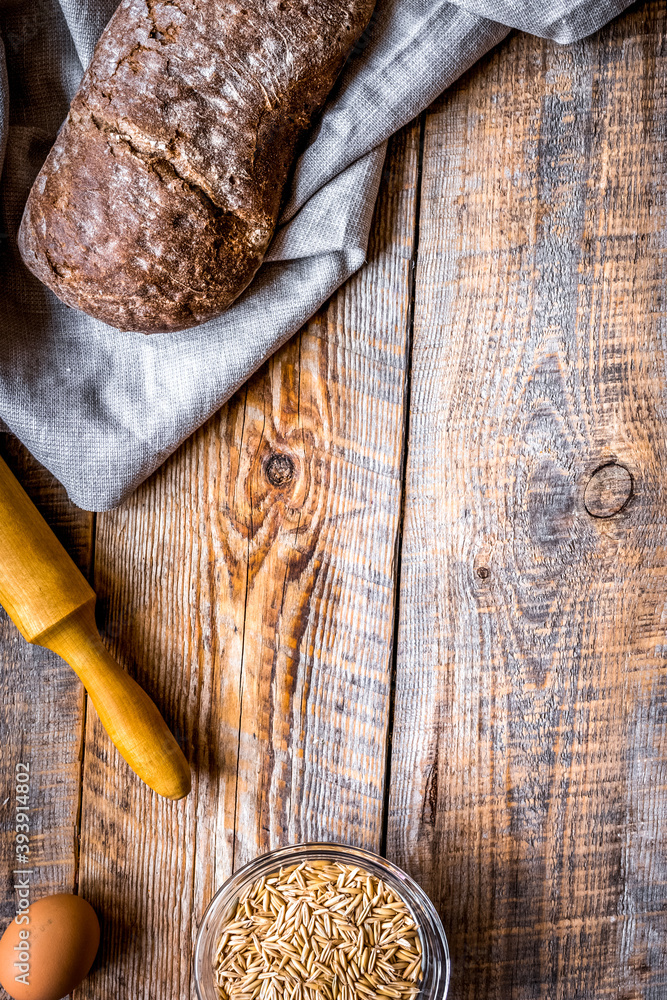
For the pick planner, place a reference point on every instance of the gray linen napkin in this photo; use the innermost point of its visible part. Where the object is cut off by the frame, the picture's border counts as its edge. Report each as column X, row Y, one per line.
column 103, row 409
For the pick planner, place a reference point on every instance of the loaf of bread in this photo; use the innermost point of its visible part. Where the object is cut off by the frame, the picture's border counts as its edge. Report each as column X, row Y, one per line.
column 161, row 194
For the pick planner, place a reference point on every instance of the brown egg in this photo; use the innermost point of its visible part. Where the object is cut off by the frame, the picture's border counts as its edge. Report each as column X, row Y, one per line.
column 45, row 957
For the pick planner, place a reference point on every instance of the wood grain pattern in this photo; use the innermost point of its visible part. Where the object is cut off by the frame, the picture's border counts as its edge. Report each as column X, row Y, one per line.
column 250, row 588
column 529, row 767
column 41, row 721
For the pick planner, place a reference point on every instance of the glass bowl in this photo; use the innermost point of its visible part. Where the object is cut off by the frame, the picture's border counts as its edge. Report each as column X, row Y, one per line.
column 436, row 964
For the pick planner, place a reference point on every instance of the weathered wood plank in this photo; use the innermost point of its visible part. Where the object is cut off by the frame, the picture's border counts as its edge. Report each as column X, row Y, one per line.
column 320, row 601
column 250, row 587
column 41, row 722
column 529, row 761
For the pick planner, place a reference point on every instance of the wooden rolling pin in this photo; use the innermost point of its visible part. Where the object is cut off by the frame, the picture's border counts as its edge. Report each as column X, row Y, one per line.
column 53, row 605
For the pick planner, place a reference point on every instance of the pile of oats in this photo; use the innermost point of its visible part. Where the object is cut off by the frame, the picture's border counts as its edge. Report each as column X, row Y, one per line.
column 320, row 930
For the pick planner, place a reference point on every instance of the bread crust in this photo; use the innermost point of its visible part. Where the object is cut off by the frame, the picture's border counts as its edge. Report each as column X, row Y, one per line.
column 159, row 198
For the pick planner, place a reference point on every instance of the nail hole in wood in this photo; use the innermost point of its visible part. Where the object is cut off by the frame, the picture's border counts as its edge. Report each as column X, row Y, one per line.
column 280, row 470
column 483, row 572
column 608, row 490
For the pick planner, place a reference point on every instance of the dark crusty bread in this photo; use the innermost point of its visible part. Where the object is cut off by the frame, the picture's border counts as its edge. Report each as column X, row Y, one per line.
column 157, row 203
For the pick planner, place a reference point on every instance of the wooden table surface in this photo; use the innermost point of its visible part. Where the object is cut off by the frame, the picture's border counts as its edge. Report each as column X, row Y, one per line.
column 408, row 589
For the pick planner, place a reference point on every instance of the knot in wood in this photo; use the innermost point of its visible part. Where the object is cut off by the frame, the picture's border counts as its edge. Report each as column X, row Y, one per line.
column 483, row 572
column 608, row 490
column 280, row 469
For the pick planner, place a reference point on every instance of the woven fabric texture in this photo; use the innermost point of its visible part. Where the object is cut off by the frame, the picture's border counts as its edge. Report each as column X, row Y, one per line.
column 102, row 409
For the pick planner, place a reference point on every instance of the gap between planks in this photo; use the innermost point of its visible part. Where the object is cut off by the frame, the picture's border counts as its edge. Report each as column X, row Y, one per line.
column 404, row 460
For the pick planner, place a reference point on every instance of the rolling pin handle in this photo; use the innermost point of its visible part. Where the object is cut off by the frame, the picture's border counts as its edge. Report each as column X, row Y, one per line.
column 129, row 716
column 53, row 605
